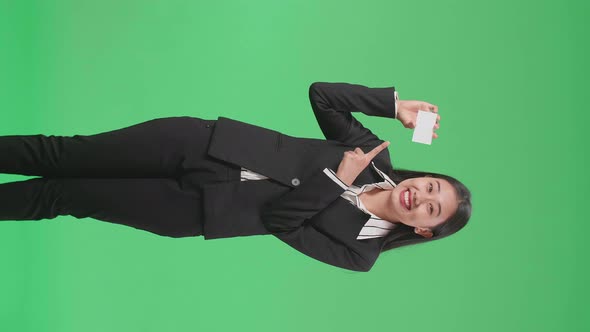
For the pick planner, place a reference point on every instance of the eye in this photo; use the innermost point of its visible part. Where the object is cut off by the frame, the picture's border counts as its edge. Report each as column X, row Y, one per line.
column 430, row 187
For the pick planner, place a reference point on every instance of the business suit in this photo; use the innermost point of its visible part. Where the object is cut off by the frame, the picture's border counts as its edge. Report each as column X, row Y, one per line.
column 299, row 204
column 306, row 210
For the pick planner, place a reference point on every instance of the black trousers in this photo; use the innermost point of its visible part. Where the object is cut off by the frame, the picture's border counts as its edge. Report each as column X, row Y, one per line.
column 146, row 176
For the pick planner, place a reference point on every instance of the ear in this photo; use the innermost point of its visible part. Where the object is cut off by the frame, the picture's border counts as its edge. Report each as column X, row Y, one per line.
column 425, row 232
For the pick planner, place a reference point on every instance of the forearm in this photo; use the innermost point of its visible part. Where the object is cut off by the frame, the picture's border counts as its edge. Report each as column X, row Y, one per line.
column 346, row 97
column 333, row 104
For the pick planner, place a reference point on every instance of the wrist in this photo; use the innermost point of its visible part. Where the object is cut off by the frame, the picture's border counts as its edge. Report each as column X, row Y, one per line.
column 332, row 175
column 347, row 181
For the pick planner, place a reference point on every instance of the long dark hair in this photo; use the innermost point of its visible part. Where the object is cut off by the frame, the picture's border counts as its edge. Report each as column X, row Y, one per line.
column 404, row 235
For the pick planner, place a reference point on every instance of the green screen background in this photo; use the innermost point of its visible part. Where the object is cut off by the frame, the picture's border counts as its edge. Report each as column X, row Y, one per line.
column 510, row 81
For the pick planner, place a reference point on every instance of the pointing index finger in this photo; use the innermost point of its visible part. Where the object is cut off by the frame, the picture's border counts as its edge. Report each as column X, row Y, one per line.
column 378, row 149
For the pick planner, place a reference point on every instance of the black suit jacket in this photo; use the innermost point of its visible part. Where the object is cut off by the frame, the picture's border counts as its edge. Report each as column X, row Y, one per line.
column 300, row 204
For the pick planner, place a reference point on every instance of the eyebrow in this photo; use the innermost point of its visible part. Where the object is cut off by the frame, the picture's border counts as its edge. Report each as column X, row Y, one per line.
column 438, row 202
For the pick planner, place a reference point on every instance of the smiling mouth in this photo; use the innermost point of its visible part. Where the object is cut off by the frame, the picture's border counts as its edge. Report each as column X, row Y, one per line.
column 406, row 199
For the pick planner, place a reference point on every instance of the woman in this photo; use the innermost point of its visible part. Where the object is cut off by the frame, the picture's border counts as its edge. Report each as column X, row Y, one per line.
column 336, row 200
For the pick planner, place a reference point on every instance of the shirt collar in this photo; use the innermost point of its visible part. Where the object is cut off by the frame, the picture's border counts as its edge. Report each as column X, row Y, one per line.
column 383, row 175
column 386, row 184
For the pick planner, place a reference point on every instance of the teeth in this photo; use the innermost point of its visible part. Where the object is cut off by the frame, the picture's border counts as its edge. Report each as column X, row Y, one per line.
column 407, row 198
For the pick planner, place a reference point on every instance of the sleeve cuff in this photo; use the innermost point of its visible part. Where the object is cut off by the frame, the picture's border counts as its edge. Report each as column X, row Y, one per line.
column 396, row 98
column 330, row 173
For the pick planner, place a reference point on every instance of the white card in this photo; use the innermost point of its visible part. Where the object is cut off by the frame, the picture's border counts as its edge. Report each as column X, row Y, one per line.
column 425, row 122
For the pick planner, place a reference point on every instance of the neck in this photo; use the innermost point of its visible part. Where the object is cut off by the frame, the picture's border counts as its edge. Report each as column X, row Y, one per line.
column 378, row 201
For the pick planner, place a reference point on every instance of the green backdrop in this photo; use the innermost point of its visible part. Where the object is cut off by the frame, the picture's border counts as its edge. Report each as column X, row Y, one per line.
column 509, row 78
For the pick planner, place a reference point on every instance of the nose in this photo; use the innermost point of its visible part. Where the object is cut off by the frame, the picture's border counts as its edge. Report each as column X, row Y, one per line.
column 420, row 197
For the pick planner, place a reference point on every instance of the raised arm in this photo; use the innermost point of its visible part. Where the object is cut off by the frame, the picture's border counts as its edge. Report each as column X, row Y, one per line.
column 332, row 104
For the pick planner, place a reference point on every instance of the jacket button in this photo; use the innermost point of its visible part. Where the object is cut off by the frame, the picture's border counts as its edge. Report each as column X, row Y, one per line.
column 295, row 181
column 208, row 126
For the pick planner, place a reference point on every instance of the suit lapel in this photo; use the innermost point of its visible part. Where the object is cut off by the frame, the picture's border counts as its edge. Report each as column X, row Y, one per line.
column 368, row 175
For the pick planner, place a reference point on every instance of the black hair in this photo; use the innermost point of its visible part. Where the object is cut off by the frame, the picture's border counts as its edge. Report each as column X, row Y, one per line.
column 404, row 235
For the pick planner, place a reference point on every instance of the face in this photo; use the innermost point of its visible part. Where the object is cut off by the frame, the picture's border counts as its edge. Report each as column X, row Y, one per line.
column 423, row 203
